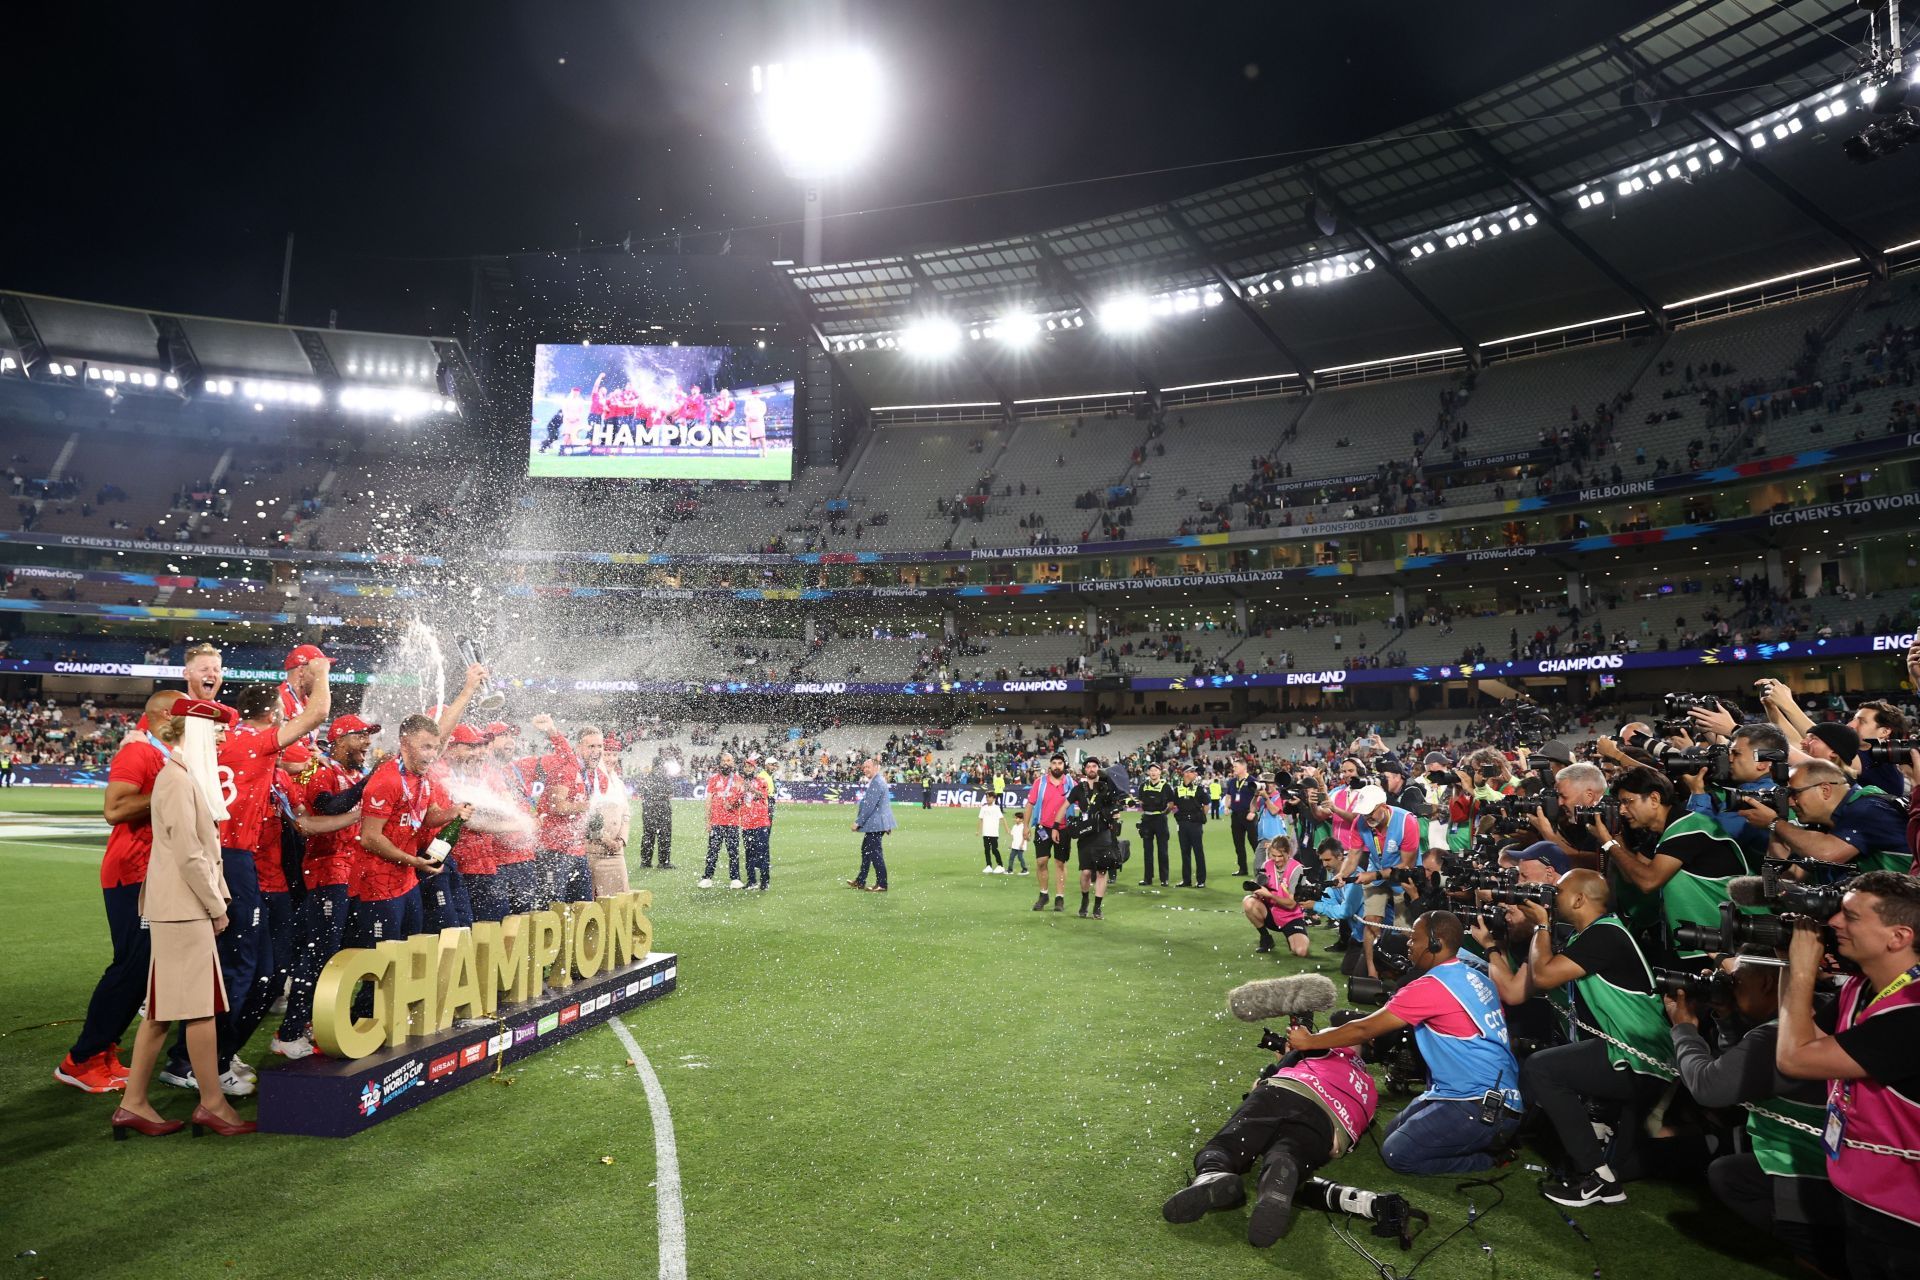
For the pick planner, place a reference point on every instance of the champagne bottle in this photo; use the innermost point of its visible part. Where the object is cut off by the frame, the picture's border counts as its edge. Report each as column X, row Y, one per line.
column 443, row 840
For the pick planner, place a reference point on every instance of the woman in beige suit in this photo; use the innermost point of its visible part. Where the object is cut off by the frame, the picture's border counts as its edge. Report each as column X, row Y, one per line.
column 184, row 903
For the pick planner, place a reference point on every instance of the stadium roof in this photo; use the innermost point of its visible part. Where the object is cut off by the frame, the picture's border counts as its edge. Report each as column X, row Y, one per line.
column 1674, row 102
column 37, row 332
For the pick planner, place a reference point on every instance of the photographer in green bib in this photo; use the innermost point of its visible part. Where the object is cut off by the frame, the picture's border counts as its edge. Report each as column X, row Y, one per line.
column 1865, row 829
column 1779, row 1184
column 1674, row 866
column 1614, row 993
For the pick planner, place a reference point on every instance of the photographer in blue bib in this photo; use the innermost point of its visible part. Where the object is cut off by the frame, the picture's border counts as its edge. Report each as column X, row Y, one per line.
column 1389, row 848
column 1468, row 1115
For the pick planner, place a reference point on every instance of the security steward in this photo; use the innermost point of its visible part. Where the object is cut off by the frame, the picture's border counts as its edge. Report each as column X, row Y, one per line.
column 1242, row 801
column 656, row 815
column 1191, row 800
column 1156, row 795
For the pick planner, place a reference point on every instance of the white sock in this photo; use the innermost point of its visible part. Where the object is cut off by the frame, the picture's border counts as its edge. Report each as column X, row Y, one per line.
column 1605, row 1172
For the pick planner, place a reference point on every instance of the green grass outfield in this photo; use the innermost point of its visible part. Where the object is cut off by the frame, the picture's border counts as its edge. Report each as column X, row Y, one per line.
column 932, row 1083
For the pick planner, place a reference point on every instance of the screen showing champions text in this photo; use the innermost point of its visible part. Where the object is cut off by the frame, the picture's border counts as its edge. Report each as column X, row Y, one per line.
column 685, row 413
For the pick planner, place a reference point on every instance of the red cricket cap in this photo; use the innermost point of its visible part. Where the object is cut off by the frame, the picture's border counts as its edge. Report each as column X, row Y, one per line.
column 344, row 725
column 295, row 753
column 501, row 729
column 203, row 709
column 302, row 655
column 467, row 735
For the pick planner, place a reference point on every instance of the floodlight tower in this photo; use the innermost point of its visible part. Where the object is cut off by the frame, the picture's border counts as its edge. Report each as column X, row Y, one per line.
column 822, row 114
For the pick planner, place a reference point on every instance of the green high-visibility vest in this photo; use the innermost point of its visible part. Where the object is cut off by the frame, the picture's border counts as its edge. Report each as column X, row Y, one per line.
column 1637, row 1018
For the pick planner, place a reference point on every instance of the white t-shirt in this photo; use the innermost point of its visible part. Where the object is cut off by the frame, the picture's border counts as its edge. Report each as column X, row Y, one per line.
column 990, row 819
column 1019, row 835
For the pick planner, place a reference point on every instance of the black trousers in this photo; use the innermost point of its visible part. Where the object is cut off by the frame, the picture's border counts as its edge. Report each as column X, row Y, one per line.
column 1270, row 1120
column 1153, row 839
column 656, row 826
column 1560, row 1081
column 1879, row 1247
column 1805, row 1214
column 990, row 846
column 1246, row 838
column 1193, row 856
column 117, row 996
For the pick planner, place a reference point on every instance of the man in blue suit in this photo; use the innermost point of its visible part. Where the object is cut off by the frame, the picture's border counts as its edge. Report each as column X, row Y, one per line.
column 873, row 821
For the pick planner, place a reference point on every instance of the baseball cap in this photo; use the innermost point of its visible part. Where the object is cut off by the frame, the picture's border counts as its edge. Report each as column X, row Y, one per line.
column 1558, row 752
column 1843, row 740
column 1390, row 764
column 1367, row 799
column 501, row 729
column 302, row 655
column 1436, row 758
column 468, row 736
column 344, row 725
column 295, row 753
column 1544, row 851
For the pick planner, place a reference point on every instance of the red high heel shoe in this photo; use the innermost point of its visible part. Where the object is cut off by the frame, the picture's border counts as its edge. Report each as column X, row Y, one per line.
column 204, row 1120
column 126, row 1122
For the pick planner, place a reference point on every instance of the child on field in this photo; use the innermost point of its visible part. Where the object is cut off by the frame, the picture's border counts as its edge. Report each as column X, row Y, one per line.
column 1017, row 841
column 990, row 837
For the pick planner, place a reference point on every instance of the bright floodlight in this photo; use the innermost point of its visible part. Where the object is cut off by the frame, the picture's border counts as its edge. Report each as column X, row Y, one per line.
column 931, row 338
column 1127, row 314
column 1017, row 329
column 822, row 113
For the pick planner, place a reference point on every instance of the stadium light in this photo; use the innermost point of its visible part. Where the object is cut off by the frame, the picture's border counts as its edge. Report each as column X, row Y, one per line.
column 1017, row 329
column 1126, row 314
column 931, row 338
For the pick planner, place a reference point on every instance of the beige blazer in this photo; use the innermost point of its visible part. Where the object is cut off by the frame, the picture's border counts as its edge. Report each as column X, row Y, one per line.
column 184, row 879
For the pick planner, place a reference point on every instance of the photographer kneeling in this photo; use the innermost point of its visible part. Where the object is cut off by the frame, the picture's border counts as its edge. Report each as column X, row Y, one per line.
column 1306, row 1109
column 1862, row 1046
column 1614, row 992
column 1274, row 906
column 1867, row 830
column 1471, row 1107
column 1779, row 1184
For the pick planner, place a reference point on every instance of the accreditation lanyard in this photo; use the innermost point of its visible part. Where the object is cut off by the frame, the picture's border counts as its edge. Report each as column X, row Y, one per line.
column 1834, row 1136
column 158, row 745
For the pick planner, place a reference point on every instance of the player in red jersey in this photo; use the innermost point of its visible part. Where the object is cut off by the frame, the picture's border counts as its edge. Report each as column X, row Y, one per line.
column 518, row 853
column 93, row 1063
column 562, row 810
column 399, row 810
column 248, row 759
column 327, row 802
column 720, row 408
column 726, row 793
column 446, row 900
column 298, row 687
column 694, row 407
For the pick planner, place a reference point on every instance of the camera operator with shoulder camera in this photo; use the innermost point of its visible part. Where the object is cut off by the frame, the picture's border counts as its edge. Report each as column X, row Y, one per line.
column 1471, row 1107
column 1614, row 992
column 1094, row 807
column 1862, row 1046
column 1388, row 852
column 1683, row 877
column 1780, row 1183
column 1864, row 828
column 1305, row 1110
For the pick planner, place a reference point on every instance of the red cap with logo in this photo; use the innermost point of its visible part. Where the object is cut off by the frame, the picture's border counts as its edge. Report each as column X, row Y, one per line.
column 301, row 656
column 204, row 709
column 501, row 729
column 467, row 735
column 344, row 725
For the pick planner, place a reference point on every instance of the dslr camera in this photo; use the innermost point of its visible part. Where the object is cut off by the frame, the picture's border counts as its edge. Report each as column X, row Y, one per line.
column 1712, row 986
column 1675, row 706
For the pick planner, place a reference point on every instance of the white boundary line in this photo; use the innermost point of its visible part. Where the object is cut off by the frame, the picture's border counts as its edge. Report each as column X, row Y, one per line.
column 666, row 1160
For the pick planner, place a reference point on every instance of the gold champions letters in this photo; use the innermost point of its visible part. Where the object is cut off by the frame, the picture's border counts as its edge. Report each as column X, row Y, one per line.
column 423, row 984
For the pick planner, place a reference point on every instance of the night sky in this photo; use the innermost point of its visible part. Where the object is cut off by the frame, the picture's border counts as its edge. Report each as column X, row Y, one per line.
column 161, row 153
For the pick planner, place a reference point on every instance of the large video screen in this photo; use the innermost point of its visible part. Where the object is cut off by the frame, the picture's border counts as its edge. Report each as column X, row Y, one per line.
column 685, row 413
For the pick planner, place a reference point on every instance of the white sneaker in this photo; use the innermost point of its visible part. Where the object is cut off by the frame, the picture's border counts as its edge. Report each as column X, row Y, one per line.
column 244, row 1071
column 986, row 871
column 235, row 1085
column 735, row 884
column 184, row 1080
column 706, row 882
column 294, row 1049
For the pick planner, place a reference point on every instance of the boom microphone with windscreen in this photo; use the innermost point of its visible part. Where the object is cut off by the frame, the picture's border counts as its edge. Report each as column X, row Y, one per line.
column 1269, row 998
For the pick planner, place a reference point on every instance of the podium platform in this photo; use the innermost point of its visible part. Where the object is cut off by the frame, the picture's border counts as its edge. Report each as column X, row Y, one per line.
column 335, row 1098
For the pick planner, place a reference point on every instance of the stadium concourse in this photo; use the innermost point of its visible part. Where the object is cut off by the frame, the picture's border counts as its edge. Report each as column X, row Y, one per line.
column 832, row 730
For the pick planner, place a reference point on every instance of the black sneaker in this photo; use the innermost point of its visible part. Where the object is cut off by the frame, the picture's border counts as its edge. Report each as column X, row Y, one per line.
column 1185, row 884
column 1096, row 912
column 1272, row 1214
column 1266, row 945
column 1042, row 904
column 1579, row 1192
column 1146, row 884
column 1059, row 904
column 1208, row 1193
column 1337, row 945
column 1083, row 913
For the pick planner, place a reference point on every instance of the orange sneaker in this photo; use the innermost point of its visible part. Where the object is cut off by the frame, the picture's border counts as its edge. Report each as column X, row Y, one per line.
column 113, row 1060
column 95, row 1075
